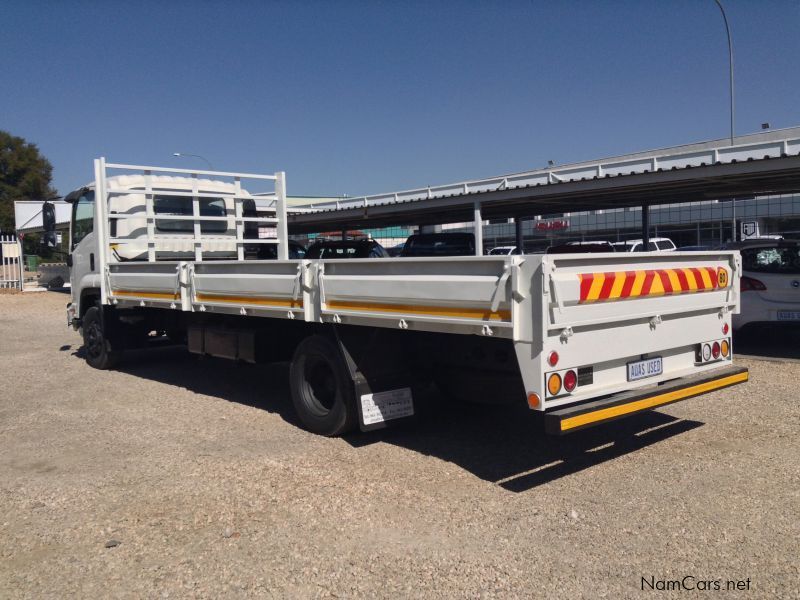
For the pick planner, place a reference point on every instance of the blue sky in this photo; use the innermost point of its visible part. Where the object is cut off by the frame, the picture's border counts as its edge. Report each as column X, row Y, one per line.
column 367, row 97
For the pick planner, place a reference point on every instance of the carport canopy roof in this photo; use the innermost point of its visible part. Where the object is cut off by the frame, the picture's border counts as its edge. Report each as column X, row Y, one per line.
column 758, row 164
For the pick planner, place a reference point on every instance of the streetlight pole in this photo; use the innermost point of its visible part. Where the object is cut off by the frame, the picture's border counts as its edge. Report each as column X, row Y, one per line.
column 730, row 62
column 184, row 154
column 730, row 69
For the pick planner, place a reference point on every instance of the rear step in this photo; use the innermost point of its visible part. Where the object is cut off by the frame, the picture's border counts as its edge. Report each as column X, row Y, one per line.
column 573, row 418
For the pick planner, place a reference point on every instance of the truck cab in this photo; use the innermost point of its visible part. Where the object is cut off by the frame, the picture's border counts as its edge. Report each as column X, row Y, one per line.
column 164, row 231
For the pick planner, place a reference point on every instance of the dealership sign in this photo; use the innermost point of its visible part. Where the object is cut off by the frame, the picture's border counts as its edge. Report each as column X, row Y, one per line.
column 749, row 230
column 552, row 225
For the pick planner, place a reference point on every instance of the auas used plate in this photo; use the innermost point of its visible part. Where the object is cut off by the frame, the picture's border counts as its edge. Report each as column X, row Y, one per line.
column 642, row 369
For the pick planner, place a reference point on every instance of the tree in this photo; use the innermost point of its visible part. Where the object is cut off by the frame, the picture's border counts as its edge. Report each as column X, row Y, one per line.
column 24, row 175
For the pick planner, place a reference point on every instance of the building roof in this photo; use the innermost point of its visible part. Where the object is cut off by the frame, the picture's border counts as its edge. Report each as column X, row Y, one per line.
column 761, row 163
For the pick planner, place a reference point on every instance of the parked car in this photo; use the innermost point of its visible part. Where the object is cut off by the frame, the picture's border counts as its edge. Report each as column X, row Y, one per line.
column 439, row 244
column 595, row 244
column 396, row 250
column 270, row 251
column 53, row 276
column 364, row 248
column 504, row 251
column 695, row 248
column 656, row 244
column 770, row 282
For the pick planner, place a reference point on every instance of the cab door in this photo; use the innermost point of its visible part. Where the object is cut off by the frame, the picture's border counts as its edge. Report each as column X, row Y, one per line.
column 83, row 243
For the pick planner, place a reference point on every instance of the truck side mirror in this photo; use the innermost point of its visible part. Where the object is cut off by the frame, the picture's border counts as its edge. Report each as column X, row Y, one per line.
column 49, row 217
column 49, row 224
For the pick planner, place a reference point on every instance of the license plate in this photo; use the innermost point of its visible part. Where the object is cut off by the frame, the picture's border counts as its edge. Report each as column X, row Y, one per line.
column 789, row 315
column 641, row 369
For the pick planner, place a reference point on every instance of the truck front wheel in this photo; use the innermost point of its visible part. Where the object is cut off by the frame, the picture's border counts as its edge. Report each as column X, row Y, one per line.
column 96, row 341
column 322, row 390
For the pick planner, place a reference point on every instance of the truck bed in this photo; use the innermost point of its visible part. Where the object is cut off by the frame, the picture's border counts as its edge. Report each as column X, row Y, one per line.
column 597, row 311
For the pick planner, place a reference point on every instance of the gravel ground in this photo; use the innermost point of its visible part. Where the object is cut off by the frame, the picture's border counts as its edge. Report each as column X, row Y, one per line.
column 197, row 476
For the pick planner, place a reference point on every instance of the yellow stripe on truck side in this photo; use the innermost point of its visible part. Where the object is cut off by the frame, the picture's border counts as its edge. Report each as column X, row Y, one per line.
column 636, row 290
column 597, row 285
column 619, row 282
column 483, row 314
column 623, row 409
column 673, row 279
column 138, row 294
column 251, row 300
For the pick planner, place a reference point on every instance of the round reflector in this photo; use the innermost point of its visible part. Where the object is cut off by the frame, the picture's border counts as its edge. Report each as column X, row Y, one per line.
column 706, row 352
column 552, row 358
column 570, row 380
column 534, row 400
column 715, row 350
column 554, row 384
column 725, row 329
column 725, row 348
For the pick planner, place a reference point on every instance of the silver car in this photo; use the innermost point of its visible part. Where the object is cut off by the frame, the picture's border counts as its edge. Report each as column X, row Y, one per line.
column 770, row 282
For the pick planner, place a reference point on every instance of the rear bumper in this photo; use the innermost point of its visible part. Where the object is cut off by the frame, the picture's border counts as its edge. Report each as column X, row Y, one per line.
column 624, row 404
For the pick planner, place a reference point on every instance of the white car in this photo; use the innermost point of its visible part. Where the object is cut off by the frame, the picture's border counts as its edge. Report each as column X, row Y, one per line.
column 504, row 251
column 595, row 245
column 770, row 282
column 656, row 244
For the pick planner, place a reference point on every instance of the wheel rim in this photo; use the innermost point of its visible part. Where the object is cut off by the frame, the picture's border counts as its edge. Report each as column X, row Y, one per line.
column 319, row 385
column 94, row 340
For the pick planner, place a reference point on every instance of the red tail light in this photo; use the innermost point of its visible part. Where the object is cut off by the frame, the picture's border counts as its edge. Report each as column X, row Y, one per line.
column 749, row 284
column 570, row 380
column 715, row 350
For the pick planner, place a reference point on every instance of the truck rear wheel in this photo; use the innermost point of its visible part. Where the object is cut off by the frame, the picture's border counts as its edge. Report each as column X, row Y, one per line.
column 96, row 341
column 321, row 387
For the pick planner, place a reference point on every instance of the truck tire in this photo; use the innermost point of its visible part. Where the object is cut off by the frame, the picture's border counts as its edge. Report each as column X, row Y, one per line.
column 96, row 342
column 321, row 387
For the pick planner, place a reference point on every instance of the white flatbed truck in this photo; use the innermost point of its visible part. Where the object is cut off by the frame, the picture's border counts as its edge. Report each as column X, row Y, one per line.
column 583, row 338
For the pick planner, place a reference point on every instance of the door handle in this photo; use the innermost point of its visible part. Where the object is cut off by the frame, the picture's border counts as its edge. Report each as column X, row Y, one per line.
column 91, row 261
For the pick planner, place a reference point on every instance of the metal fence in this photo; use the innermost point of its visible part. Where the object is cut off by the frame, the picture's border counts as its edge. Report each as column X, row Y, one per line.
column 11, row 273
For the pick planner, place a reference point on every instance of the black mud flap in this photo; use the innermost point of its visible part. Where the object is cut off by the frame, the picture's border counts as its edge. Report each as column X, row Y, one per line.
column 581, row 416
column 383, row 384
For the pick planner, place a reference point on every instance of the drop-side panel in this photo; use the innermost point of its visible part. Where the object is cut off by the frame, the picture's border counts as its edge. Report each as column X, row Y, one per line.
column 249, row 287
column 151, row 283
column 467, row 294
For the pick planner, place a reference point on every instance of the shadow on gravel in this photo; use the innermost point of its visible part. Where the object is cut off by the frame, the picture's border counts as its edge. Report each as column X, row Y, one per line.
column 508, row 446
column 768, row 342
column 260, row 386
column 505, row 445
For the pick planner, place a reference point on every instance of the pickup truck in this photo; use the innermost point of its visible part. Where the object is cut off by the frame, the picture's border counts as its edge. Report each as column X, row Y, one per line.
column 582, row 338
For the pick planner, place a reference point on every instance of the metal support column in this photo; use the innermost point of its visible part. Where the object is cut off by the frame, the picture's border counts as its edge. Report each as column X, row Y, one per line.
column 478, row 228
column 518, row 235
column 645, row 227
column 280, row 214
